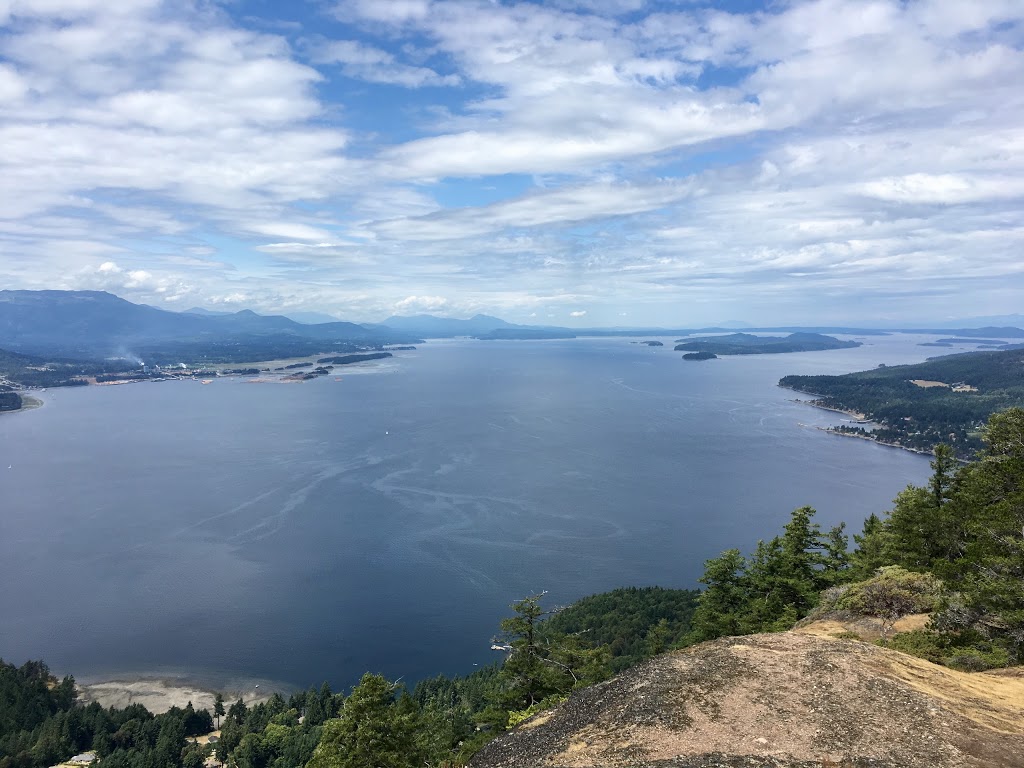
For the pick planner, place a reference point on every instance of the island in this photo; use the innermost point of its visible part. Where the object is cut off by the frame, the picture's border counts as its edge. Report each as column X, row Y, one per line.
column 349, row 359
column 943, row 400
column 958, row 340
column 748, row 344
column 700, row 356
column 650, row 343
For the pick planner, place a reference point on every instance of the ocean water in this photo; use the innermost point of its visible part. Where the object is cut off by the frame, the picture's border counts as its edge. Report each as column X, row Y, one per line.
column 295, row 533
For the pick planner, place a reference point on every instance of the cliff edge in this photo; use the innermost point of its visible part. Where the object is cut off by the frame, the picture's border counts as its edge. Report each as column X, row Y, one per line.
column 789, row 699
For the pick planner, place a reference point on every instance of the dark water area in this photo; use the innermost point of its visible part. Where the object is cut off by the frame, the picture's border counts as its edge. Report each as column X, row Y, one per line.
column 300, row 532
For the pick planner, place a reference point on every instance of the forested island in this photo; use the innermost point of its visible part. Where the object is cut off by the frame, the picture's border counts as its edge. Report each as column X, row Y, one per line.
column 703, row 355
column 943, row 400
column 950, row 549
column 350, row 359
column 748, row 344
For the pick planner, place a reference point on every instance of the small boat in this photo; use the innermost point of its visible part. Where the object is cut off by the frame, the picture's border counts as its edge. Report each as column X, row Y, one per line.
column 207, row 381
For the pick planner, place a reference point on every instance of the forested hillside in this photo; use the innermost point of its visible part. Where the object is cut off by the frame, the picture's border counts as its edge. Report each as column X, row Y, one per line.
column 950, row 401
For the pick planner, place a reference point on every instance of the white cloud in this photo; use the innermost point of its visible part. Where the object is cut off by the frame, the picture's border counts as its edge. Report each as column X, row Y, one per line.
column 288, row 229
column 365, row 62
column 421, row 304
column 578, row 313
column 599, row 154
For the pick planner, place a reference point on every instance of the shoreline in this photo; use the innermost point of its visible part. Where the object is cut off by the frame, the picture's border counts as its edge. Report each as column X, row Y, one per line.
column 159, row 694
column 860, row 418
column 266, row 375
column 28, row 403
column 857, row 415
column 876, row 441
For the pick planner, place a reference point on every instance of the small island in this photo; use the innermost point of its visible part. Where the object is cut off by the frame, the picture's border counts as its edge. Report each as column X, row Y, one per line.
column 651, row 343
column 700, row 356
column 349, row 359
column 748, row 344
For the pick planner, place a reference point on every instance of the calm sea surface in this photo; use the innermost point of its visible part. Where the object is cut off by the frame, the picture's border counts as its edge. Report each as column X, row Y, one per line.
column 301, row 532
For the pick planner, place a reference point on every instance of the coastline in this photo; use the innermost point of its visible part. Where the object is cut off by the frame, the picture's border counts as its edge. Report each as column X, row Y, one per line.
column 859, row 417
column 874, row 440
column 855, row 415
column 28, row 403
column 159, row 694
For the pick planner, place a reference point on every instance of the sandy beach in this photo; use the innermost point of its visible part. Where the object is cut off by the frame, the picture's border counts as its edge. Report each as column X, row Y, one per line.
column 28, row 403
column 159, row 695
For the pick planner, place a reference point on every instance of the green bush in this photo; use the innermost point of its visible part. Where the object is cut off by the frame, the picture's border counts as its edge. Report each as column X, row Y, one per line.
column 891, row 593
column 978, row 660
column 518, row 716
column 965, row 651
column 846, row 635
column 930, row 646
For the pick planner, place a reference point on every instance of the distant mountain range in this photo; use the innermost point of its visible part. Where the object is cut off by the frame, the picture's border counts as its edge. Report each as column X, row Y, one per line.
column 87, row 324
column 306, row 318
column 96, row 324
column 439, row 327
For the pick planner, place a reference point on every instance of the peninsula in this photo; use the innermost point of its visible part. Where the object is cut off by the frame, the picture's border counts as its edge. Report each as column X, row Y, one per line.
column 943, row 400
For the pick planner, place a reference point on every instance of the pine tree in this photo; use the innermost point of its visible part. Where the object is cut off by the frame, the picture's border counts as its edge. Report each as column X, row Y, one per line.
column 528, row 674
column 872, row 545
column 991, row 495
column 722, row 607
column 371, row 730
column 218, row 707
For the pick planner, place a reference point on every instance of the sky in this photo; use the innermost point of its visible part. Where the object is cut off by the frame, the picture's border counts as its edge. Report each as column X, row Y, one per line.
column 569, row 162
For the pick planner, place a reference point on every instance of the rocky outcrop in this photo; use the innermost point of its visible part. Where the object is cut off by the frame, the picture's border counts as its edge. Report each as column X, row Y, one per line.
column 789, row 699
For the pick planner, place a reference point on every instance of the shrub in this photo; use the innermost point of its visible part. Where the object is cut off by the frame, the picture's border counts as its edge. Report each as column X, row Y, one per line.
column 978, row 660
column 517, row 716
column 846, row 635
column 891, row 593
column 930, row 646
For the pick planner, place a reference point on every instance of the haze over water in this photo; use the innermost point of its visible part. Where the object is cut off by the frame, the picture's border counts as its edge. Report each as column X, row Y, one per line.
column 304, row 532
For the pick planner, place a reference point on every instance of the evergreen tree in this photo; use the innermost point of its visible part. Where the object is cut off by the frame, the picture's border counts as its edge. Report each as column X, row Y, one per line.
column 218, row 707
column 911, row 529
column 526, row 677
column 925, row 529
column 723, row 606
column 991, row 496
column 872, row 545
column 371, row 731
column 787, row 574
column 837, row 555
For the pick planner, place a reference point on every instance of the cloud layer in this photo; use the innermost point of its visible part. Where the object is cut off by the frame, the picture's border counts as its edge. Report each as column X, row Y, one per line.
column 833, row 160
